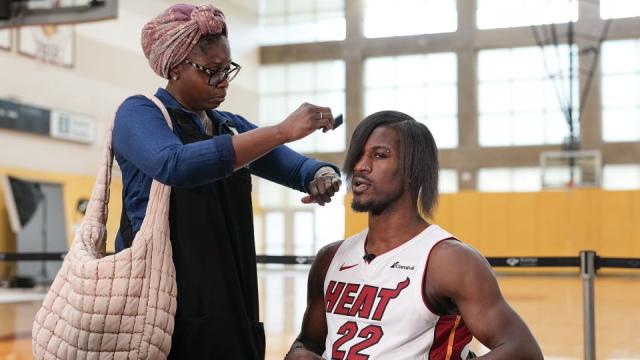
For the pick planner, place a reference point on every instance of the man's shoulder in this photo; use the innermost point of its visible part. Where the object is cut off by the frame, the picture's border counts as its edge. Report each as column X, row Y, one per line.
column 452, row 259
column 452, row 249
column 321, row 263
column 328, row 251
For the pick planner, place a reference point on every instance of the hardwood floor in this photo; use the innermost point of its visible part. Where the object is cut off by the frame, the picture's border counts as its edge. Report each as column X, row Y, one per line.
column 15, row 329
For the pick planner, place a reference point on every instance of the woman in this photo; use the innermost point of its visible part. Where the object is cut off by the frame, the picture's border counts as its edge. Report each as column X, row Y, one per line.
column 208, row 160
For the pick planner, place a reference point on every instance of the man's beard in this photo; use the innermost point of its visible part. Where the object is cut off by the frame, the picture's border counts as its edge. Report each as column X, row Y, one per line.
column 375, row 207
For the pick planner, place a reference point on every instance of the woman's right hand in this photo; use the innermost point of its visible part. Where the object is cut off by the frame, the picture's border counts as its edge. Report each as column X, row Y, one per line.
column 250, row 145
column 306, row 119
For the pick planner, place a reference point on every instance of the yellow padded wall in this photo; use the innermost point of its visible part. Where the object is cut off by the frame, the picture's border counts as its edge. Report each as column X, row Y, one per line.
column 547, row 223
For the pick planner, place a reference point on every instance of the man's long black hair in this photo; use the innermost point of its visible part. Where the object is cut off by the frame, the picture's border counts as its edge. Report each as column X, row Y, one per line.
column 419, row 154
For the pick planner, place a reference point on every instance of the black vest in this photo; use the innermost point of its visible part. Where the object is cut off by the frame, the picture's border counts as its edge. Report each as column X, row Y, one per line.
column 214, row 254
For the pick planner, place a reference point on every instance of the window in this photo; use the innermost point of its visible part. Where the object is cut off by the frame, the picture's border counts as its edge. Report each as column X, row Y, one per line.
column 518, row 103
column 274, row 307
column 423, row 86
column 295, row 21
column 330, row 220
column 619, row 8
column 283, row 300
column 274, row 233
column 384, row 18
column 283, row 88
column 448, row 181
column 5, row 39
column 621, row 90
column 288, row 221
column 300, row 298
column 493, row 14
column 523, row 179
column 303, row 228
column 621, row 177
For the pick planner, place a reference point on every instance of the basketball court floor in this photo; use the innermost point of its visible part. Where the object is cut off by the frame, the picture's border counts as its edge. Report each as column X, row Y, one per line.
column 550, row 303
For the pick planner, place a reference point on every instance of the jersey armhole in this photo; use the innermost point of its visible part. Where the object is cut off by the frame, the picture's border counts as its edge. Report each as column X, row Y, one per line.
column 423, row 292
column 332, row 253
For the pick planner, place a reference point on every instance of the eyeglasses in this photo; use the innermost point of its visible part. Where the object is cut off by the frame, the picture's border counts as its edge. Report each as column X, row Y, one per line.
column 216, row 77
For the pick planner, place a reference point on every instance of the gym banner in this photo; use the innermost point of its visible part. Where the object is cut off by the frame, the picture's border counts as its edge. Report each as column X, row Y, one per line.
column 57, row 124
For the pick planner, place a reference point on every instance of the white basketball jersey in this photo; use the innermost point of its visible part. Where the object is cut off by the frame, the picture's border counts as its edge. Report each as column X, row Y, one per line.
column 376, row 310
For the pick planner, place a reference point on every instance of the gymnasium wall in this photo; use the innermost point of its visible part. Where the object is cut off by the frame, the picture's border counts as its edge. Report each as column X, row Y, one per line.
column 548, row 223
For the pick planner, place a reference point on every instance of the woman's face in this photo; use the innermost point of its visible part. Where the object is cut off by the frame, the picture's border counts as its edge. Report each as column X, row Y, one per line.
column 192, row 86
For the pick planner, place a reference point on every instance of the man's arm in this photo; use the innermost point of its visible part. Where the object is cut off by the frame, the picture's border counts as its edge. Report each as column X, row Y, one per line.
column 458, row 274
column 310, row 342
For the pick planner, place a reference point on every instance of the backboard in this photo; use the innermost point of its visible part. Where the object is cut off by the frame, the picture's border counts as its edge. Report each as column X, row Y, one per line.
column 570, row 169
column 17, row 13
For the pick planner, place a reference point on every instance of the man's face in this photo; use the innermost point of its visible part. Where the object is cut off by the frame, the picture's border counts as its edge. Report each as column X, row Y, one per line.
column 377, row 181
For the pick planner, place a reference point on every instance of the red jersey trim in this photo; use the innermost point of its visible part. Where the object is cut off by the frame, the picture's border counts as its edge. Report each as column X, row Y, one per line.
column 451, row 335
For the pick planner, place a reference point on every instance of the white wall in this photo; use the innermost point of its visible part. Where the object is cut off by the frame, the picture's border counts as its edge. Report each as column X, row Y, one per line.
column 109, row 66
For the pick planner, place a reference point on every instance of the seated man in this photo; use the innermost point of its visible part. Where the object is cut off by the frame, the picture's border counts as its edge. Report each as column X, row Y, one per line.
column 403, row 288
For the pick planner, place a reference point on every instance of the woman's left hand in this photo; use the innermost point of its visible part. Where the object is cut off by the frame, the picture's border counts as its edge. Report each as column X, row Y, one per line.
column 323, row 187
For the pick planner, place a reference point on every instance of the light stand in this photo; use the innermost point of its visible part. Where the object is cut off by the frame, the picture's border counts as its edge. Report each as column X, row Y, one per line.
column 43, row 232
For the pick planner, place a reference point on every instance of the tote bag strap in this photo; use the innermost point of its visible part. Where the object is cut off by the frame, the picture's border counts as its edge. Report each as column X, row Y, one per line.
column 163, row 109
column 97, row 210
column 157, row 213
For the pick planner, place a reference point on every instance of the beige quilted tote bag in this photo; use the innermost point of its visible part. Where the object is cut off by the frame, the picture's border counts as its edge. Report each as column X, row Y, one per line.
column 120, row 306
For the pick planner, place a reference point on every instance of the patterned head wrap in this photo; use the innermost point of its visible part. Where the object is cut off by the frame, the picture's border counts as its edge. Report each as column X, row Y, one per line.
column 170, row 37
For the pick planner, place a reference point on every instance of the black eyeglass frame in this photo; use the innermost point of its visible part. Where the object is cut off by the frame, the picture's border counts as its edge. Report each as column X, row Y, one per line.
column 219, row 75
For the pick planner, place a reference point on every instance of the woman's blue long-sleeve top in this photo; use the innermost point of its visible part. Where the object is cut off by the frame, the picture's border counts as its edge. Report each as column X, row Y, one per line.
column 146, row 148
